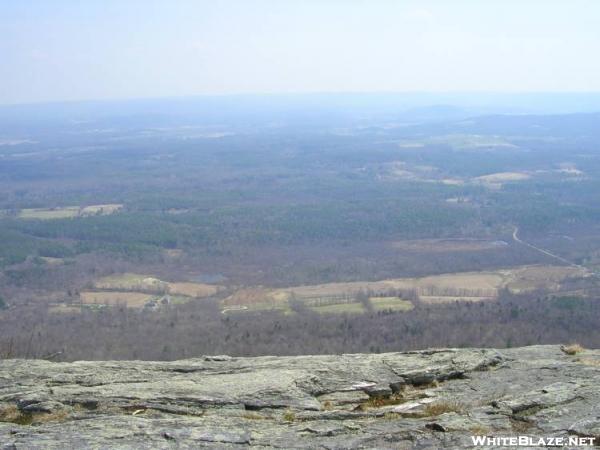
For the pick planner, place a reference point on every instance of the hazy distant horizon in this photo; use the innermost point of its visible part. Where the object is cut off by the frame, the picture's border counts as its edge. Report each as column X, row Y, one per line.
column 315, row 103
column 291, row 94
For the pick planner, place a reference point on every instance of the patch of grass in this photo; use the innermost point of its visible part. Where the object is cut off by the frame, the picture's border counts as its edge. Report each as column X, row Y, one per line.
column 528, row 412
column 378, row 402
column 480, row 430
column 520, row 426
column 130, row 299
column 57, row 416
column 253, row 416
column 589, row 362
column 423, row 386
column 572, row 349
column 289, row 415
column 12, row 414
column 442, row 407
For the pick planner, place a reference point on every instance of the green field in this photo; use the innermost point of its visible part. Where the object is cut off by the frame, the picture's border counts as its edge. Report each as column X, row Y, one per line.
column 391, row 303
column 67, row 212
column 340, row 308
column 49, row 213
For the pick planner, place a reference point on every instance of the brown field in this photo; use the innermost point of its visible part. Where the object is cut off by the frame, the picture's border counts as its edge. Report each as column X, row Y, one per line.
column 468, row 281
column 252, row 296
column 130, row 299
column 529, row 278
column 433, row 299
column 465, row 286
column 144, row 283
column 473, row 282
column 393, row 303
column 255, row 299
column 448, row 245
column 197, row 290
column 132, row 282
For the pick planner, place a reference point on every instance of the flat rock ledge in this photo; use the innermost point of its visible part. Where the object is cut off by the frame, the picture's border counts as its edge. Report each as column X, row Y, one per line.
column 428, row 399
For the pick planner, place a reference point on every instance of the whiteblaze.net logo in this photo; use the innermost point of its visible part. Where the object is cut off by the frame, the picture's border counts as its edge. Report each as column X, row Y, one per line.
column 529, row 441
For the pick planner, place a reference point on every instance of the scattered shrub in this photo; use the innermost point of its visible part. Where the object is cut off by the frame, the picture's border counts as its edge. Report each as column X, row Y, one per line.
column 289, row 415
column 442, row 407
column 572, row 349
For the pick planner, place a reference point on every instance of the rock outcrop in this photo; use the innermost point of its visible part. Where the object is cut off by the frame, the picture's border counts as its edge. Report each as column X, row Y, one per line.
column 423, row 399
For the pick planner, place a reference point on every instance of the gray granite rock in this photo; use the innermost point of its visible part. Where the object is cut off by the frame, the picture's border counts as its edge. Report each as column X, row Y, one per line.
column 424, row 399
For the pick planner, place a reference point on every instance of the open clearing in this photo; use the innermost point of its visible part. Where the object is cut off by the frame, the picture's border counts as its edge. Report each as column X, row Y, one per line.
column 530, row 278
column 197, row 290
column 448, row 245
column 67, row 212
column 391, row 303
column 502, row 177
column 148, row 284
column 114, row 298
column 465, row 286
column 340, row 308
column 254, row 299
column 136, row 290
column 49, row 213
column 132, row 282
column 94, row 210
column 462, row 142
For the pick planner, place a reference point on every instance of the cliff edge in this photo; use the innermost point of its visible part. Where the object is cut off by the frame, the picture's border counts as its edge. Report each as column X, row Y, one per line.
column 423, row 399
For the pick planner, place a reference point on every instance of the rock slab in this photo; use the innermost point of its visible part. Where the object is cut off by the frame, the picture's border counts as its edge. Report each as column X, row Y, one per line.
column 426, row 399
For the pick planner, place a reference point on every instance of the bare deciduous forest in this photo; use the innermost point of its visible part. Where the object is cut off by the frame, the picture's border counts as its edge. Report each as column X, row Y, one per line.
column 169, row 229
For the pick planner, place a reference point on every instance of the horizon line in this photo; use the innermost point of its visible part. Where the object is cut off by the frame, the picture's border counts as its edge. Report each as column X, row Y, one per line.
column 297, row 94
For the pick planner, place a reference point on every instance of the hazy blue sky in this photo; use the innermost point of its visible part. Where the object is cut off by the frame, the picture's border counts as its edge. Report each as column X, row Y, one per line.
column 98, row 49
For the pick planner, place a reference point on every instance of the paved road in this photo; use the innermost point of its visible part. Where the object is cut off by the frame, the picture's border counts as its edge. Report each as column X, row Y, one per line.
column 541, row 250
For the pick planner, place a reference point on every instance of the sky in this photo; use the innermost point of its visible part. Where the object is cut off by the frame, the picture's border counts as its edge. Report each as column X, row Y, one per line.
column 64, row 50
